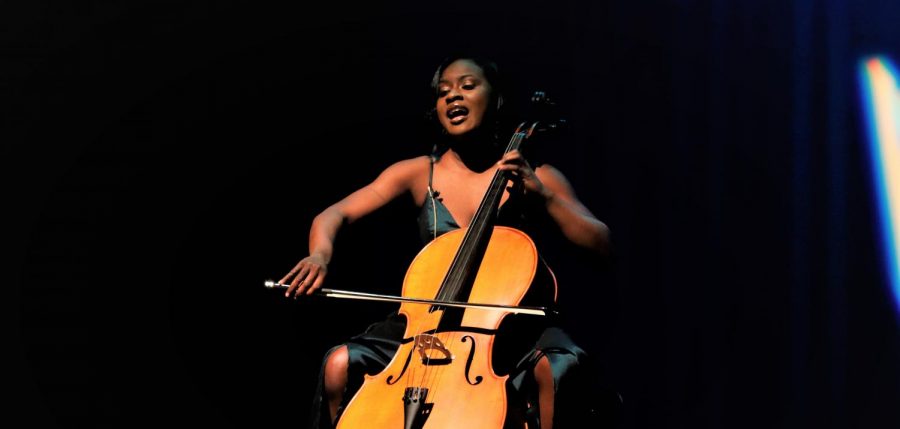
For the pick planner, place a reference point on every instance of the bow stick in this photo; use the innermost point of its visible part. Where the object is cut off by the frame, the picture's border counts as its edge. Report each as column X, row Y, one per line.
column 346, row 294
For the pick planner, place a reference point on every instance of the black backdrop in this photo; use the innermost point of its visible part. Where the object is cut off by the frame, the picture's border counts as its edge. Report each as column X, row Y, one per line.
column 162, row 159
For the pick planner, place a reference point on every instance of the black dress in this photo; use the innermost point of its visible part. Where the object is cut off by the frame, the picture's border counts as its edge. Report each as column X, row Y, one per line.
column 371, row 351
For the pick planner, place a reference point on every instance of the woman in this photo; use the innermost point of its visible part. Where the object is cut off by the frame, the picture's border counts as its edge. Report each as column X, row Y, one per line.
column 468, row 101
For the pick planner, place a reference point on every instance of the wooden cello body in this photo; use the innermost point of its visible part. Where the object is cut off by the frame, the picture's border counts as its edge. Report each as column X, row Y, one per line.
column 441, row 377
column 451, row 369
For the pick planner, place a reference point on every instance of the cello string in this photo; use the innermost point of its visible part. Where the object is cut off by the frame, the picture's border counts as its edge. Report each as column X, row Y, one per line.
column 434, row 230
column 495, row 192
column 465, row 251
column 490, row 200
column 438, row 373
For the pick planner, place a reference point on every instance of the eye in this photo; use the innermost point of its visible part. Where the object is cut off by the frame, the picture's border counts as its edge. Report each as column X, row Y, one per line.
column 442, row 92
column 468, row 86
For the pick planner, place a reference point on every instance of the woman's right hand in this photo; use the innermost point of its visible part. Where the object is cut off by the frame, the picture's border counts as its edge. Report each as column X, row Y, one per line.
column 306, row 277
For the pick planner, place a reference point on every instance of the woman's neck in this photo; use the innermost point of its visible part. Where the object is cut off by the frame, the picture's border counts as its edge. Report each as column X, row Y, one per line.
column 477, row 153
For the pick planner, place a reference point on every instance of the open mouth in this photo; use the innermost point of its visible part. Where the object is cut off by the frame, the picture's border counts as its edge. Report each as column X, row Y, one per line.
column 457, row 114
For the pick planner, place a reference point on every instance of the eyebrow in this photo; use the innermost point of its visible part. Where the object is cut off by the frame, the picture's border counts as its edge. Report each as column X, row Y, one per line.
column 459, row 78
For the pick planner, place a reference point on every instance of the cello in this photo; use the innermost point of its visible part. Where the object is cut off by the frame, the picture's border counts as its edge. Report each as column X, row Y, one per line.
column 442, row 374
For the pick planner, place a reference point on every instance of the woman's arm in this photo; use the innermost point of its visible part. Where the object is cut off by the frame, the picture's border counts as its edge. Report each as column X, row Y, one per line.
column 307, row 276
column 577, row 223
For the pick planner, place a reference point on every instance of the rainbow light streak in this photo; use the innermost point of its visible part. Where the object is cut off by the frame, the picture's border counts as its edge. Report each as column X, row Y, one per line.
column 881, row 102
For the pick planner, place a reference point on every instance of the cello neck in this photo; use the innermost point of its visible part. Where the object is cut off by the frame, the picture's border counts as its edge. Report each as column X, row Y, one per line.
column 478, row 234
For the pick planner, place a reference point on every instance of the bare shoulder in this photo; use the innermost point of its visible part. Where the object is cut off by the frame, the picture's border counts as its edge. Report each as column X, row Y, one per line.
column 553, row 179
column 551, row 175
column 402, row 176
column 411, row 167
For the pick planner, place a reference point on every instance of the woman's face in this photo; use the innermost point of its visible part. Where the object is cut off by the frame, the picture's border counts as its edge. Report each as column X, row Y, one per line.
column 463, row 97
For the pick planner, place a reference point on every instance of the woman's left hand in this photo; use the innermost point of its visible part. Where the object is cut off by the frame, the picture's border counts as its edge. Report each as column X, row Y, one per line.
column 578, row 224
column 514, row 163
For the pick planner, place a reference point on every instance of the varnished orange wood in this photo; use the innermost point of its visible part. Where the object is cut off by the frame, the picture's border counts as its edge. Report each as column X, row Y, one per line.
column 504, row 277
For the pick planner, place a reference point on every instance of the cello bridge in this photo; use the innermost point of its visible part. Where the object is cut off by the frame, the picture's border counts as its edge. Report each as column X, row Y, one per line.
column 429, row 346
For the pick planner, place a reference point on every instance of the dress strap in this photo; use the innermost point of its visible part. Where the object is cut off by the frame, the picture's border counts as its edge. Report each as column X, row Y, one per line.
column 431, row 159
column 432, row 195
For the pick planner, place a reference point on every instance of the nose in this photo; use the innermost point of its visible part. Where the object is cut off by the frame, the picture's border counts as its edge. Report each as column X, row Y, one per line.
column 452, row 96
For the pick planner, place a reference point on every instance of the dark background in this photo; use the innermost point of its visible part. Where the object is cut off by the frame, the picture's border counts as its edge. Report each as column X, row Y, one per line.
column 161, row 159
